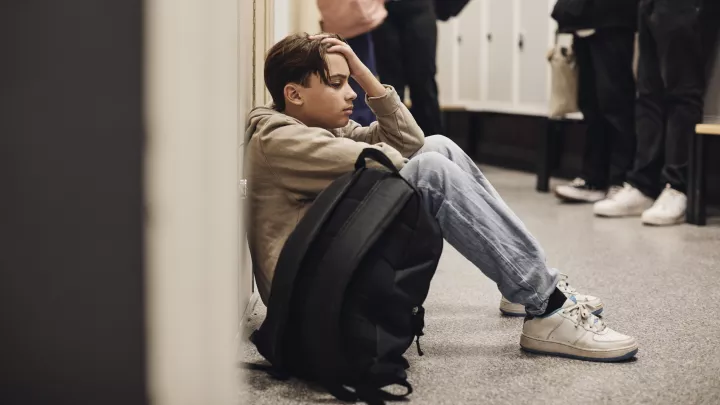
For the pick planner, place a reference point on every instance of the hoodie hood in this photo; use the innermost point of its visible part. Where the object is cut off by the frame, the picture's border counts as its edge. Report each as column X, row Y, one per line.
column 259, row 117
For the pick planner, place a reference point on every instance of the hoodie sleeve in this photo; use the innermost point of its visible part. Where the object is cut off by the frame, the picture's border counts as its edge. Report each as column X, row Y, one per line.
column 395, row 125
column 305, row 160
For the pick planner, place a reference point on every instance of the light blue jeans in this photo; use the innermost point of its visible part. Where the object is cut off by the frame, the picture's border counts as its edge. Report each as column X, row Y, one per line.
column 478, row 223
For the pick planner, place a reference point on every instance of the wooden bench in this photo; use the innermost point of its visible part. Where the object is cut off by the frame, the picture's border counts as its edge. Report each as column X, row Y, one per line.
column 696, row 173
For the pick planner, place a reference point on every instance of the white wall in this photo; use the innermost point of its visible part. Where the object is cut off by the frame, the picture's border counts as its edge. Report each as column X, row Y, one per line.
column 193, row 247
column 712, row 98
column 282, row 18
column 307, row 16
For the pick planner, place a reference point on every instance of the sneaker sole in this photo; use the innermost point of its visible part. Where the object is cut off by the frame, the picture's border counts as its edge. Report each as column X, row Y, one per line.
column 572, row 199
column 535, row 346
column 674, row 221
column 512, row 314
column 519, row 314
column 617, row 215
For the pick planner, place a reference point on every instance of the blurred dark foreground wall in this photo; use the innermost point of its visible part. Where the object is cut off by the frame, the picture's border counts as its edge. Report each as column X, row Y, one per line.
column 71, row 248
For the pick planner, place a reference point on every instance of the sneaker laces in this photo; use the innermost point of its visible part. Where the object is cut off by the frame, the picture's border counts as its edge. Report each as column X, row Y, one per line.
column 582, row 316
column 612, row 191
column 668, row 198
column 564, row 286
column 619, row 191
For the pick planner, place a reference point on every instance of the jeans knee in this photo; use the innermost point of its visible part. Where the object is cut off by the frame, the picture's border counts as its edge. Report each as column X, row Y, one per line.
column 430, row 159
column 429, row 167
column 440, row 143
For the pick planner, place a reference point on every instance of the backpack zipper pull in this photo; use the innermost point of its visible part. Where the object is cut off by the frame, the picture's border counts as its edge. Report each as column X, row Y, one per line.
column 417, row 342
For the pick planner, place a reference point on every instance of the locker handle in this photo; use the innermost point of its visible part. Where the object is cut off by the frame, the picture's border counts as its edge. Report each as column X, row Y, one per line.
column 521, row 41
column 489, row 36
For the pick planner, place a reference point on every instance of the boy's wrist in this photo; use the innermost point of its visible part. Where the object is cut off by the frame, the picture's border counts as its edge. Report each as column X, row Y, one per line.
column 363, row 74
column 369, row 83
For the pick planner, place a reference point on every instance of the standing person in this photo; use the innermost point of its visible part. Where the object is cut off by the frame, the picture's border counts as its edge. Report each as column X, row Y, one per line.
column 405, row 46
column 354, row 20
column 675, row 39
column 603, row 43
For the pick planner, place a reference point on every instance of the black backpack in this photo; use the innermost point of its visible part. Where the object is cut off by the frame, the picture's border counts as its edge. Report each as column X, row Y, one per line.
column 347, row 294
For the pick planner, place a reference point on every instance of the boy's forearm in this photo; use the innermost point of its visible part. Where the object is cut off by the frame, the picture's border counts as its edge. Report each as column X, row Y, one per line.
column 370, row 84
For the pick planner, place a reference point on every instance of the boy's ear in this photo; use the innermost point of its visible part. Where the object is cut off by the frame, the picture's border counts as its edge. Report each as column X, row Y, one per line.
column 292, row 94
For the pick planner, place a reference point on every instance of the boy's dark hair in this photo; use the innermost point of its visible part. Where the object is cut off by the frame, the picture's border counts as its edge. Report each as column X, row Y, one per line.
column 293, row 60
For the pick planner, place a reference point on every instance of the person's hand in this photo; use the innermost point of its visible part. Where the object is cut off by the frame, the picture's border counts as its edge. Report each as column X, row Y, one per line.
column 357, row 67
column 362, row 75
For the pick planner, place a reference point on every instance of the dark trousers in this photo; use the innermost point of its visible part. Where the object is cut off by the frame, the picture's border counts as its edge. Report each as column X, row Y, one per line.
column 405, row 48
column 606, row 97
column 675, row 40
column 363, row 47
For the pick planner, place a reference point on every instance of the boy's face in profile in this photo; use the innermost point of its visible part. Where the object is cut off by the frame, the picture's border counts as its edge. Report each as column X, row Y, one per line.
column 328, row 106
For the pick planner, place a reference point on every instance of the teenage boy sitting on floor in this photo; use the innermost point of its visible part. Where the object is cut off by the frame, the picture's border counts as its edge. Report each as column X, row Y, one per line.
column 305, row 140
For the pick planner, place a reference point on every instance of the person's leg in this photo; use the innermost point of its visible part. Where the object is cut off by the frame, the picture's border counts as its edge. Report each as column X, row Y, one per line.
column 449, row 149
column 596, row 156
column 612, row 51
column 679, row 28
column 419, row 49
column 479, row 226
column 682, row 60
column 590, row 185
column 644, row 178
column 649, row 109
column 386, row 41
column 478, row 223
column 363, row 47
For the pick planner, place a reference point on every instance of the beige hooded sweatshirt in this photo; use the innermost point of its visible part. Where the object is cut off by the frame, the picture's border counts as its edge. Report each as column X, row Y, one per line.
column 289, row 164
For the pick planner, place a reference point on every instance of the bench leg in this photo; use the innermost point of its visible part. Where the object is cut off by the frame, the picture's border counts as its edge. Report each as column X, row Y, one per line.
column 544, row 158
column 696, row 181
column 701, row 154
column 690, row 216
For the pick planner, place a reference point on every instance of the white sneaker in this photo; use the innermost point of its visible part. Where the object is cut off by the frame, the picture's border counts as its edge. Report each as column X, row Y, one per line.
column 613, row 190
column 508, row 308
column 593, row 303
column 628, row 201
column 579, row 190
column 669, row 208
column 573, row 331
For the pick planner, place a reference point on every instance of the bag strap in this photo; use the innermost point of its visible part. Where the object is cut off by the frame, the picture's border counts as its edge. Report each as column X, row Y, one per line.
column 376, row 155
column 269, row 338
column 335, row 270
column 270, row 370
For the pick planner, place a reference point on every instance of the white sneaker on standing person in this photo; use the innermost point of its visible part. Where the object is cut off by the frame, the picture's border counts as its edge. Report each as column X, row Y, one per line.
column 626, row 202
column 579, row 190
column 668, row 209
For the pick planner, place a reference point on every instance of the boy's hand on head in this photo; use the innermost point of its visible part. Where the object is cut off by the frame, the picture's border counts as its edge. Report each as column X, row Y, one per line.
column 358, row 70
column 357, row 67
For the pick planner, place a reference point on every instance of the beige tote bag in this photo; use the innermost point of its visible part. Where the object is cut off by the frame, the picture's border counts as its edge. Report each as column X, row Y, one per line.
column 564, row 81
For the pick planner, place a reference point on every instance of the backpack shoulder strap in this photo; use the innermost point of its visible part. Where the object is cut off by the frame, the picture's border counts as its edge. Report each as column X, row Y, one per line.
column 321, row 331
column 268, row 339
